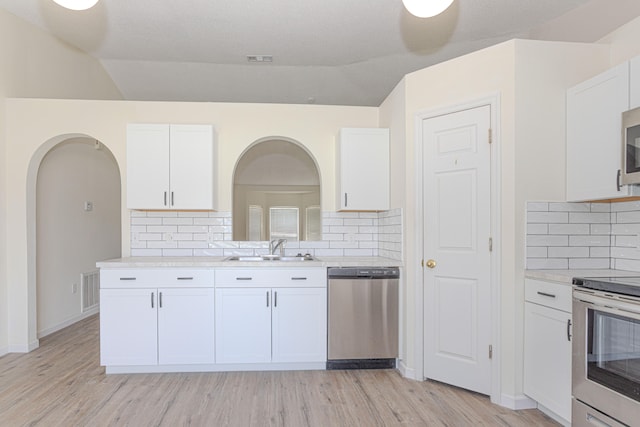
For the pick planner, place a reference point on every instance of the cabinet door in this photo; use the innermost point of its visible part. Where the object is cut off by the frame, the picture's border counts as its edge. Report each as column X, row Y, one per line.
column 363, row 169
column 243, row 325
column 147, row 166
column 299, row 325
column 594, row 145
column 547, row 358
column 185, row 326
column 128, row 327
column 192, row 167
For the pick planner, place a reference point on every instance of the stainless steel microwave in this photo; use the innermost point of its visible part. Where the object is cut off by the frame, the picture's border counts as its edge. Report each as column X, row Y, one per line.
column 631, row 146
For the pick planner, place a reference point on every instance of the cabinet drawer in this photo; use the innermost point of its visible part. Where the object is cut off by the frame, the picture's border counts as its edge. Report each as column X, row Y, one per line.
column 267, row 277
column 154, row 277
column 550, row 294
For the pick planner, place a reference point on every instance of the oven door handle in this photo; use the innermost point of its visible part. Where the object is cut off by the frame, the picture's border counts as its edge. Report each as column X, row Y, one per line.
column 568, row 329
column 605, row 303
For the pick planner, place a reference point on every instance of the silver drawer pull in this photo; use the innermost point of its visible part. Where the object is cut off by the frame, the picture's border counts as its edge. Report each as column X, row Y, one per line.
column 185, row 278
column 544, row 294
column 244, row 278
column 298, row 278
column 127, row 278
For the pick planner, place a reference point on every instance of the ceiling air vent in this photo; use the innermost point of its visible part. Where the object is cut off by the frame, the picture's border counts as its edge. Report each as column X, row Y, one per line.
column 260, row 58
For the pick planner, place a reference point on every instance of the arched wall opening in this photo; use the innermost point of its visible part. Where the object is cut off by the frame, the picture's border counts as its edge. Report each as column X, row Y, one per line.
column 276, row 184
column 73, row 220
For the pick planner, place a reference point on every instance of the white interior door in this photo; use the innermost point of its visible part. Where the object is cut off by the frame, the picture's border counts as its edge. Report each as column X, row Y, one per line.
column 457, row 226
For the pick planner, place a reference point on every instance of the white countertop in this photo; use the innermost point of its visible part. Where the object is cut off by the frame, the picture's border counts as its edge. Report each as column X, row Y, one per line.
column 565, row 276
column 156, row 262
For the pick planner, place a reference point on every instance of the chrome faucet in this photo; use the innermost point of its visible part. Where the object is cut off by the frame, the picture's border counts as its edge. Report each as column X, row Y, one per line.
column 279, row 243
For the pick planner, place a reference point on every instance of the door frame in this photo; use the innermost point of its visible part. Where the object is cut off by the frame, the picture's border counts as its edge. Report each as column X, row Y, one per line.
column 493, row 101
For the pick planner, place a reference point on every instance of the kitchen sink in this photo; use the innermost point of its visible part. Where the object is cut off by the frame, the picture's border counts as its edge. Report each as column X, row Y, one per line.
column 259, row 258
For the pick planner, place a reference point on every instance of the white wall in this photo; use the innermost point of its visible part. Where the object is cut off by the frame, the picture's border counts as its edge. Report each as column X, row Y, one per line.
column 34, row 64
column 70, row 240
column 238, row 126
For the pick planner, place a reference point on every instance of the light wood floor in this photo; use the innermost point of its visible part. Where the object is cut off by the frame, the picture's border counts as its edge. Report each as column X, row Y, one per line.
column 63, row 384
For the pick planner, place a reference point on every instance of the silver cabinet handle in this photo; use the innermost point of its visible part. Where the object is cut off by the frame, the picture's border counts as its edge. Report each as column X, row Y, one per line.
column 185, row 278
column 568, row 329
column 618, row 186
column 172, row 199
column 165, row 198
column 275, row 299
column 160, row 300
column 298, row 278
column 127, row 278
column 244, row 278
column 345, row 200
column 544, row 294
column 152, row 299
column 596, row 421
column 267, row 298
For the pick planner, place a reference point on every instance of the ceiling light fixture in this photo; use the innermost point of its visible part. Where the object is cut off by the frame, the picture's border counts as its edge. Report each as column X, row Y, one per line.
column 426, row 8
column 77, row 4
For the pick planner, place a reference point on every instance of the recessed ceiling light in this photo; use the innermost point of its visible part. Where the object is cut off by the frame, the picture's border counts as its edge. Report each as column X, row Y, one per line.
column 426, row 8
column 260, row 58
column 77, row 4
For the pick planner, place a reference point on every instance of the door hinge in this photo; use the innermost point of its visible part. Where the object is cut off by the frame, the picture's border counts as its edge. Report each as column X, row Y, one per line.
column 490, row 136
column 490, row 244
column 490, row 351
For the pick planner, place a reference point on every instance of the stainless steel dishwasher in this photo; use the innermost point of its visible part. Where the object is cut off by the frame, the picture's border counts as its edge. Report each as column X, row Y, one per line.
column 363, row 317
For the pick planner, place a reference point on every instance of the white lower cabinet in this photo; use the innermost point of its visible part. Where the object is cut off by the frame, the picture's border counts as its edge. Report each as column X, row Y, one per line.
column 156, row 316
column 164, row 326
column 547, row 346
column 265, row 324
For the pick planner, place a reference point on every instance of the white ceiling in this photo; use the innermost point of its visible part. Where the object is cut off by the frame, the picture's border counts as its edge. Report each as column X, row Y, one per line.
column 340, row 52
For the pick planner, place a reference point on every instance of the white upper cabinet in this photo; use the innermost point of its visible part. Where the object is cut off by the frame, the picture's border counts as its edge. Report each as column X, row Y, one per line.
column 171, row 167
column 594, row 125
column 362, row 169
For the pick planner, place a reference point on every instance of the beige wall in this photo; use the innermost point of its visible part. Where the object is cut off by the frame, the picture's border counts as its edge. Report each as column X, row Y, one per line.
column 529, row 79
column 34, row 64
column 238, row 126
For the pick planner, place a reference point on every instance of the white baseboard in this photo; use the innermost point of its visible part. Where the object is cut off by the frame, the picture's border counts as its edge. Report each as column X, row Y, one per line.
column 407, row 372
column 517, row 402
column 554, row 416
column 4, row 351
column 68, row 322
column 21, row 348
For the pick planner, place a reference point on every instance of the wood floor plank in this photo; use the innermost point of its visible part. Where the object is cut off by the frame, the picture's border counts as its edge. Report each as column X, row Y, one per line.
column 62, row 384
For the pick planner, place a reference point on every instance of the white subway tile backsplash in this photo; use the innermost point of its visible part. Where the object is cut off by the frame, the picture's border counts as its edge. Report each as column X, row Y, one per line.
column 588, row 263
column 537, row 228
column 590, row 218
column 590, row 240
column 568, row 207
column 548, row 217
column 568, row 252
column 210, row 234
column 627, row 217
column 537, row 206
column 547, row 263
column 600, row 235
column 537, row 252
column 547, row 240
column 600, row 252
column 569, row 229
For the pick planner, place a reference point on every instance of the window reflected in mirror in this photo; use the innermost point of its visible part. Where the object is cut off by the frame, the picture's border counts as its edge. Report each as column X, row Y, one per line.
column 276, row 193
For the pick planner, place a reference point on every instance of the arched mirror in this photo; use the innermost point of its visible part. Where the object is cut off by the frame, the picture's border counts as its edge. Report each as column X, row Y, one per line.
column 276, row 193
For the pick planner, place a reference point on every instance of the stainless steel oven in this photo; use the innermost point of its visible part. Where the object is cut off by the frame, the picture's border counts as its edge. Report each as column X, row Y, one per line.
column 606, row 352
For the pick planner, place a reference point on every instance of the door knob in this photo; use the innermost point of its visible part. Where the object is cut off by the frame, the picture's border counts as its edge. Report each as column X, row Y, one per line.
column 431, row 263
